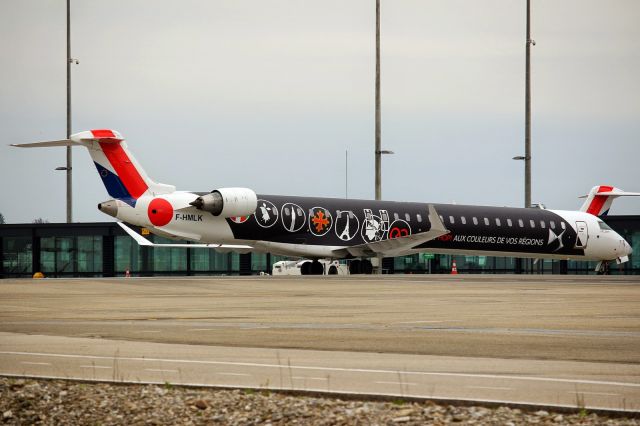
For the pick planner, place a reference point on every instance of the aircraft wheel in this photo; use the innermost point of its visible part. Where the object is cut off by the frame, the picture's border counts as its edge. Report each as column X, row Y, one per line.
column 333, row 270
column 305, row 269
column 367, row 267
column 316, row 268
column 355, row 267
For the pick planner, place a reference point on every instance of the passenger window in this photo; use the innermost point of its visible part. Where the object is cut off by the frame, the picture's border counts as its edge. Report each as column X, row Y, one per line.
column 396, row 216
column 521, row 223
column 532, row 223
column 463, row 220
column 553, row 224
column 407, row 217
column 351, row 215
column 562, row 225
column 419, row 217
column 486, row 221
column 441, row 218
column 287, row 212
column 475, row 220
column 452, row 220
column 509, row 223
column 498, row 222
column 542, row 224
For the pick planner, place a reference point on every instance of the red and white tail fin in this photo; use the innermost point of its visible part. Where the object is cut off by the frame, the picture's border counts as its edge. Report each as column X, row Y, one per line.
column 122, row 175
column 598, row 201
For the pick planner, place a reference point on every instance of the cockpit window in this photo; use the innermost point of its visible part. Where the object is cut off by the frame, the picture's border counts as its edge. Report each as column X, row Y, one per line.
column 604, row 226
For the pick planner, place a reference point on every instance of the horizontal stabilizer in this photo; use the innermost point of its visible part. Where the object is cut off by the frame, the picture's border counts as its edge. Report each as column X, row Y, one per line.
column 62, row 142
column 617, row 194
column 145, row 242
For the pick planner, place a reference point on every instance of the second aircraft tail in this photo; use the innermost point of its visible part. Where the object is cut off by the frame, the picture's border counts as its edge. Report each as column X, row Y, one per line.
column 598, row 201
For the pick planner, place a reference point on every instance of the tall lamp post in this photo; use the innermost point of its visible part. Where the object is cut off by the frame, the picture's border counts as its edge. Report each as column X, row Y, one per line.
column 379, row 151
column 527, row 112
column 527, row 120
column 68, row 168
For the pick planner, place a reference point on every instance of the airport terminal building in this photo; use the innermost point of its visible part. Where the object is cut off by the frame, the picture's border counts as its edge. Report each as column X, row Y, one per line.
column 103, row 249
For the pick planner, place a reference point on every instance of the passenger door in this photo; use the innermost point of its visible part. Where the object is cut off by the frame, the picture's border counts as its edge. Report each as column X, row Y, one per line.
column 583, row 235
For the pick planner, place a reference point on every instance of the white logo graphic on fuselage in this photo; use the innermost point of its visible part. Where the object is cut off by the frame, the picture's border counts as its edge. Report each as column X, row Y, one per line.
column 375, row 228
column 293, row 217
column 347, row 225
column 266, row 214
column 553, row 237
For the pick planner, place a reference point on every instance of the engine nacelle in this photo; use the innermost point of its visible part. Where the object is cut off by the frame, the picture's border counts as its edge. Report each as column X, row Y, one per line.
column 228, row 202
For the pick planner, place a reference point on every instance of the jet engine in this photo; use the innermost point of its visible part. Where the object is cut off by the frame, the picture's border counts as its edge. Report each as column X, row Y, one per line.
column 228, row 202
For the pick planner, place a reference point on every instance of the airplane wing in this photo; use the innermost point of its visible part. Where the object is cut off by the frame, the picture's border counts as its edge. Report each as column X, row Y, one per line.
column 396, row 246
column 145, row 242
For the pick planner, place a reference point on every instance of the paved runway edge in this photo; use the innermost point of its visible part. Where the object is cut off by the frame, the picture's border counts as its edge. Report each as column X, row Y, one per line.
column 361, row 375
column 346, row 395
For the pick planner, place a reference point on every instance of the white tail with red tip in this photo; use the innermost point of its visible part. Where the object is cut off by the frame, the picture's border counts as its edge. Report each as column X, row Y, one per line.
column 598, row 201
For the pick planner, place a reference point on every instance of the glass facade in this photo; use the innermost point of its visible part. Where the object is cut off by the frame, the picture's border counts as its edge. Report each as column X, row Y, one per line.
column 71, row 256
column 17, row 256
column 103, row 249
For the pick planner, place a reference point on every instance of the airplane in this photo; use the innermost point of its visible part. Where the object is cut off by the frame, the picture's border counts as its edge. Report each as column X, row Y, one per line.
column 332, row 228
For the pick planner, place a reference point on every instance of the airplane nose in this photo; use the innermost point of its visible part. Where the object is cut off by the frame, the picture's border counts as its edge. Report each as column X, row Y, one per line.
column 628, row 248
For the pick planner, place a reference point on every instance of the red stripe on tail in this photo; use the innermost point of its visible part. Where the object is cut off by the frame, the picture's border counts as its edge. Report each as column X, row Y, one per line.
column 123, row 166
column 599, row 200
column 103, row 133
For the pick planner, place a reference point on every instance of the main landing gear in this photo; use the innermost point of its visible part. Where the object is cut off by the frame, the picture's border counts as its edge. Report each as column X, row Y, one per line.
column 360, row 266
column 312, row 268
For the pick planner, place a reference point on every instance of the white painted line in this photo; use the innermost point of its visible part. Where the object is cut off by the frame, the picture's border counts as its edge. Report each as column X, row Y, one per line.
column 95, row 366
column 309, row 378
column 159, row 370
column 488, row 387
column 593, row 393
column 398, row 383
column 233, row 374
column 318, row 368
column 34, row 363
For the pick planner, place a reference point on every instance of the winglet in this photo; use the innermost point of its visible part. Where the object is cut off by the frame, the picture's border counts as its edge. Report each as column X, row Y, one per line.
column 401, row 245
column 436, row 222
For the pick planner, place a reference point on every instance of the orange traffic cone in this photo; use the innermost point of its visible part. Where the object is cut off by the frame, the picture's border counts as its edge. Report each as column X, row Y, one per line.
column 454, row 268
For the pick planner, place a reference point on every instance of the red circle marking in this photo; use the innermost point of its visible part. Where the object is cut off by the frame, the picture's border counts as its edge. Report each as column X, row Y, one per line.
column 160, row 211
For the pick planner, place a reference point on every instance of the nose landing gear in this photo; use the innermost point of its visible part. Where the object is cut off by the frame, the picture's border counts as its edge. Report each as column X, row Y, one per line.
column 602, row 268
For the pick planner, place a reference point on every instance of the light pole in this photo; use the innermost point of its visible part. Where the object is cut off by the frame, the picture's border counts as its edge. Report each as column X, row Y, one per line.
column 69, row 158
column 527, row 119
column 527, row 112
column 378, row 178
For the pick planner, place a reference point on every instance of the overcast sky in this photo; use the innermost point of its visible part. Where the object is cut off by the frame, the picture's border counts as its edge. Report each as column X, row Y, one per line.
column 270, row 94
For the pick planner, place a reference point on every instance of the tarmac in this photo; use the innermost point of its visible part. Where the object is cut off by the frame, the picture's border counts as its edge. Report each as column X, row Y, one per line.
column 567, row 341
